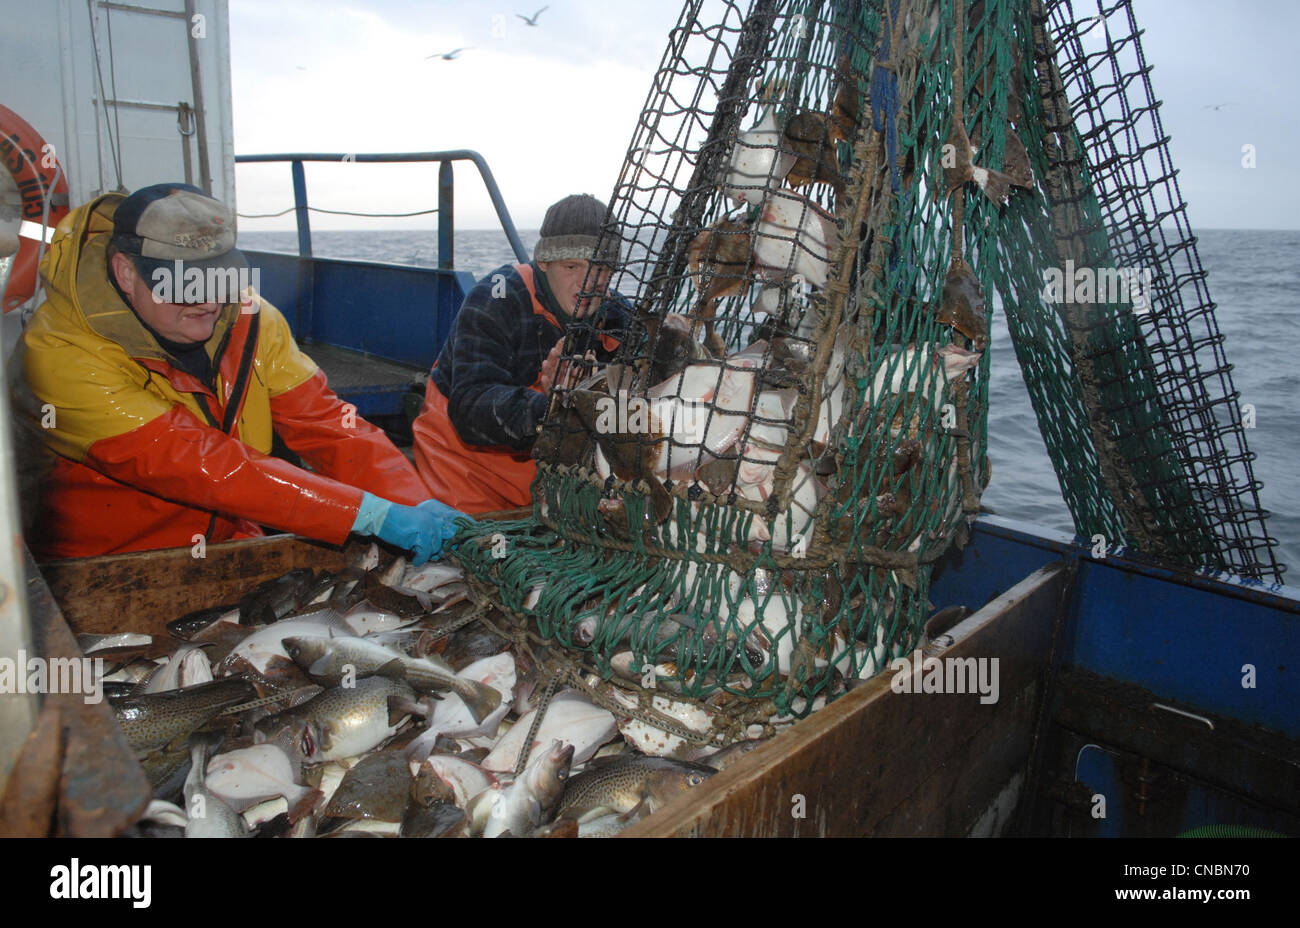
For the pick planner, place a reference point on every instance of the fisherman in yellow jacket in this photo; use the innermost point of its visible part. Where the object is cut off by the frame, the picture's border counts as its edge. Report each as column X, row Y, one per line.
column 151, row 381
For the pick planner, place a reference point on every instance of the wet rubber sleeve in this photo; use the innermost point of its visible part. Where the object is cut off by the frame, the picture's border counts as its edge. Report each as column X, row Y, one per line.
column 329, row 435
column 179, row 458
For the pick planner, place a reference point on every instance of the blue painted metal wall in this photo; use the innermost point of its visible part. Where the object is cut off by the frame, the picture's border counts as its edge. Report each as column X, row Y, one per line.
column 397, row 313
column 1185, row 637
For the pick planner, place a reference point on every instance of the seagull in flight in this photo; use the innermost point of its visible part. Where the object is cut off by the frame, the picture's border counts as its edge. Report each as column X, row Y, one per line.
column 451, row 55
column 1091, row 23
column 1215, row 106
column 533, row 21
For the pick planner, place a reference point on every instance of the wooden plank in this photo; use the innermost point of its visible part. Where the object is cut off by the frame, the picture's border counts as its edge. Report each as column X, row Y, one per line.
column 877, row 762
column 507, row 515
column 144, row 590
column 102, row 789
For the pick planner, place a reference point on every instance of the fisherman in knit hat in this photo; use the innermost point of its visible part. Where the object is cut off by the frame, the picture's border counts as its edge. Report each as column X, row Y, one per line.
column 487, row 394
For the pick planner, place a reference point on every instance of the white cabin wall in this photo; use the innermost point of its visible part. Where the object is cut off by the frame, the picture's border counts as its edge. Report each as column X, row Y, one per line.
column 48, row 76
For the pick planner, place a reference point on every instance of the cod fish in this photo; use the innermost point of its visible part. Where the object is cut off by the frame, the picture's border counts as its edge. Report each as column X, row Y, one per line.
column 622, row 786
column 153, row 721
column 526, row 803
column 329, row 661
column 342, row 721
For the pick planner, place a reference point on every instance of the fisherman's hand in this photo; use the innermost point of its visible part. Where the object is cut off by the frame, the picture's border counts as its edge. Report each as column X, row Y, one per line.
column 550, row 367
column 564, row 373
column 419, row 529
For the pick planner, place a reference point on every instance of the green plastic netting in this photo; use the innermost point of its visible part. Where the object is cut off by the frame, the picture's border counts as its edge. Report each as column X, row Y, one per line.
column 737, row 520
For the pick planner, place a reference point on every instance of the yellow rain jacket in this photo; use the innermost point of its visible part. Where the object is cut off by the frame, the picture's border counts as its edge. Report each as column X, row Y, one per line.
column 127, row 453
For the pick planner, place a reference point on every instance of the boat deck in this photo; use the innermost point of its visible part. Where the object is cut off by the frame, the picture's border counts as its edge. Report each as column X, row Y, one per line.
column 353, row 371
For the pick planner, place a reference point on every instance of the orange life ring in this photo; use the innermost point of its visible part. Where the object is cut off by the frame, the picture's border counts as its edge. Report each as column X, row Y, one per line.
column 40, row 177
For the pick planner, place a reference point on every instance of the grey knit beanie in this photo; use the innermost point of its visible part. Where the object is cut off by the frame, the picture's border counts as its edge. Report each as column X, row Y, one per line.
column 571, row 231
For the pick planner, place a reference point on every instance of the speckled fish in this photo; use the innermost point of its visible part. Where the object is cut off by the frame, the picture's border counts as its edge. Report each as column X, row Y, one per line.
column 152, row 721
column 526, row 803
column 342, row 721
column 329, row 661
column 624, row 785
column 721, row 760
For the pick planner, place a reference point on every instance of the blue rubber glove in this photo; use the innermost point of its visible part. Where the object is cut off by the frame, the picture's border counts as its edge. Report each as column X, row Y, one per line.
column 419, row 529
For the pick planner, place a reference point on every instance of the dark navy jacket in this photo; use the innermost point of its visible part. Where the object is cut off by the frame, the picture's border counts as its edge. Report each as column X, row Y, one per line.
column 495, row 351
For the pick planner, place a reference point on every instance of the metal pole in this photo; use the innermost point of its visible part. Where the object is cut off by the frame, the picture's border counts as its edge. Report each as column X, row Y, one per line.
column 446, row 218
column 185, row 125
column 300, row 209
column 18, row 710
column 196, row 79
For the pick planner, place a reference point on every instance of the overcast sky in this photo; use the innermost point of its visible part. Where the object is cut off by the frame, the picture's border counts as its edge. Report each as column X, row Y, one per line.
column 552, row 107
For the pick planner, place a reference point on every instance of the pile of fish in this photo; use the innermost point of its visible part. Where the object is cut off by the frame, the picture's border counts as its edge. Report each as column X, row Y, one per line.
column 375, row 702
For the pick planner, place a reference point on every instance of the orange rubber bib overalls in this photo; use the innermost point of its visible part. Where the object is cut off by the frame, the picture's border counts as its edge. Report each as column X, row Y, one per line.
column 473, row 478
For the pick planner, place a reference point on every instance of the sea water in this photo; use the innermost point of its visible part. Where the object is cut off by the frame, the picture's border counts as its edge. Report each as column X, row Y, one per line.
column 1254, row 277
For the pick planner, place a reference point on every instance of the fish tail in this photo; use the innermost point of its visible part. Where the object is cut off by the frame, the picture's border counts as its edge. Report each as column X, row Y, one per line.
column 481, row 699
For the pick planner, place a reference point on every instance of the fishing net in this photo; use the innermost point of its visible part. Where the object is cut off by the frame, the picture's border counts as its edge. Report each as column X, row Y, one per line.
column 737, row 519
column 1168, row 471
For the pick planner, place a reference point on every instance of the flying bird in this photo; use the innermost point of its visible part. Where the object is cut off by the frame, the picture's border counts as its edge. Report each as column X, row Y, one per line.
column 1091, row 23
column 1216, row 106
column 451, row 55
column 533, row 20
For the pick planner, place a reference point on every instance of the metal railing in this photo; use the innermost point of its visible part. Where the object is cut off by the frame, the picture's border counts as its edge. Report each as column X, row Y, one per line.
column 446, row 192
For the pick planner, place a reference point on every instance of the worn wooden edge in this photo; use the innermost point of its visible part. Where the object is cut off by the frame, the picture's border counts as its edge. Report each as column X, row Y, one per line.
column 144, row 590
column 856, row 783
column 102, row 789
column 507, row 515
column 32, row 790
